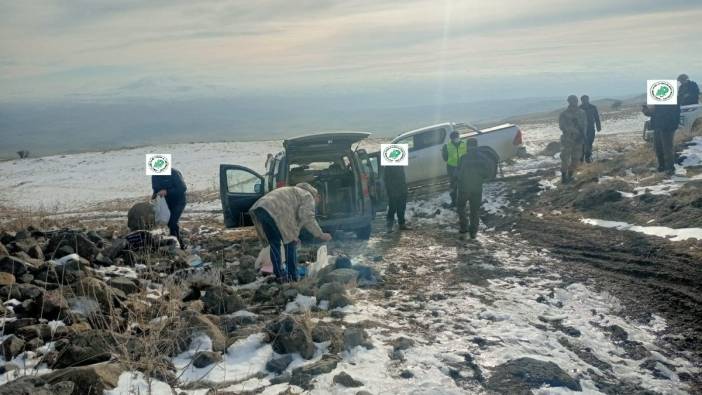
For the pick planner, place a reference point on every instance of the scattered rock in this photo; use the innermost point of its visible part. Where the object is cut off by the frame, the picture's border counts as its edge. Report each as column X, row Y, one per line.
column 406, row 374
column 324, row 332
column 402, row 343
column 11, row 264
column 191, row 324
column 126, row 285
column 53, row 304
column 354, row 336
column 107, row 296
column 6, row 278
column 206, row 358
column 303, row 375
column 102, row 260
column 141, row 216
column 278, row 365
column 346, row 380
column 246, row 276
column 88, row 380
column 343, row 262
column 12, row 346
column 290, row 335
column 283, row 378
column 521, row 375
column 78, row 241
column 342, row 276
column 3, row 250
column 33, row 385
column 328, row 290
column 221, row 300
column 552, row 148
column 87, row 348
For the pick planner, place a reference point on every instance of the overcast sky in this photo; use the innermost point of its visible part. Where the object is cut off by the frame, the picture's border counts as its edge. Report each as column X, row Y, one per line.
column 162, row 48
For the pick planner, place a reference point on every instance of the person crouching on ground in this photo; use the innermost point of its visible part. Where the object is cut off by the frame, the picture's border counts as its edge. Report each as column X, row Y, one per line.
column 172, row 188
column 473, row 171
column 279, row 216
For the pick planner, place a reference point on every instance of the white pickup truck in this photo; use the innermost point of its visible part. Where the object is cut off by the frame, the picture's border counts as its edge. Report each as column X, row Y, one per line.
column 500, row 142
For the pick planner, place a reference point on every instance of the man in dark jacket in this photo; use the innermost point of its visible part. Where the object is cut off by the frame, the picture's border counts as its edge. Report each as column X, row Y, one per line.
column 665, row 120
column 396, row 189
column 172, row 188
column 473, row 170
column 689, row 92
column 593, row 124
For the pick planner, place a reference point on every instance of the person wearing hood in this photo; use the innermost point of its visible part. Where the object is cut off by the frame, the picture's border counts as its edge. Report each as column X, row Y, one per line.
column 279, row 216
column 689, row 92
column 593, row 125
column 171, row 187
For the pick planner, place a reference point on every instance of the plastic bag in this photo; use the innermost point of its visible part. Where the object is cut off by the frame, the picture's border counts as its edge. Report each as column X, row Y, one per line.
column 161, row 212
column 321, row 262
column 263, row 261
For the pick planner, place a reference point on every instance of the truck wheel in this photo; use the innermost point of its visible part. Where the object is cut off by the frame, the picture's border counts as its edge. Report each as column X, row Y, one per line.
column 364, row 233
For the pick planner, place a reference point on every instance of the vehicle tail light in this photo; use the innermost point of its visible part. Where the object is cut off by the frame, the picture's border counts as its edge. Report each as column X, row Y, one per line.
column 364, row 185
column 518, row 137
column 280, row 184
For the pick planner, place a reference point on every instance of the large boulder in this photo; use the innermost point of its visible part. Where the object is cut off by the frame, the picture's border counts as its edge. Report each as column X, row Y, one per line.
column 290, row 335
column 520, row 376
column 141, row 216
column 33, row 385
column 344, row 379
column 222, row 300
column 54, row 303
column 88, row 380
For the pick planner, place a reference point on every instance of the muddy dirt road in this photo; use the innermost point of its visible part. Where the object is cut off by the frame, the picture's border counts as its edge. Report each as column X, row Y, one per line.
column 526, row 290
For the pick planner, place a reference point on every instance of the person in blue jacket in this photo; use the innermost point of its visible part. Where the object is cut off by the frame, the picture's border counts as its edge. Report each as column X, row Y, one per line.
column 172, row 188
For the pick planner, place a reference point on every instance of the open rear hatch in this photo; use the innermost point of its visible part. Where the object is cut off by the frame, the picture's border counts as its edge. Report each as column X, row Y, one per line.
column 307, row 147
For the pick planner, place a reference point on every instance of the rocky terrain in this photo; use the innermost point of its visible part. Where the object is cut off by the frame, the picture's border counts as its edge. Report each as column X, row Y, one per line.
column 551, row 297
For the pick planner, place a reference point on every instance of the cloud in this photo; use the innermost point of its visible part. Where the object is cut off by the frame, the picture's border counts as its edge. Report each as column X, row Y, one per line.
column 56, row 48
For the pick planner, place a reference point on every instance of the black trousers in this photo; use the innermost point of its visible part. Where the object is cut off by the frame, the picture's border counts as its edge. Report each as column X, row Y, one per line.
column 474, row 199
column 396, row 206
column 176, row 208
column 453, row 182
column 587, row 147
column 665, row 151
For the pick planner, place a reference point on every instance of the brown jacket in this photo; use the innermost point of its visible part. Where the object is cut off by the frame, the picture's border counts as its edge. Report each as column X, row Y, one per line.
column 292, row 208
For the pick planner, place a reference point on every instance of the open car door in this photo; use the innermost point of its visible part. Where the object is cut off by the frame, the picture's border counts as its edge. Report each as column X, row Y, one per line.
column 376, row 189
column 239, row 189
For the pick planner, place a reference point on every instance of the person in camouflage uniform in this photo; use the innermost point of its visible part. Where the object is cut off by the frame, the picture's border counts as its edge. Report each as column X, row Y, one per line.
column 279, row 216
column 573, row 123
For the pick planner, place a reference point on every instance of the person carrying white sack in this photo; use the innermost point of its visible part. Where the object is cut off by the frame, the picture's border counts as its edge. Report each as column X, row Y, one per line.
column 279, row 216
column 172, row 188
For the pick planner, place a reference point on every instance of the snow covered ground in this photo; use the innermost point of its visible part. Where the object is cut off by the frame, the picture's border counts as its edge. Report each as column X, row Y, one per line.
column 69, row 182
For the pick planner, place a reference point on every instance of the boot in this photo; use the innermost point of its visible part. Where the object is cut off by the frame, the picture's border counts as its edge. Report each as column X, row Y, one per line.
column 389, row 225
column 404, row 227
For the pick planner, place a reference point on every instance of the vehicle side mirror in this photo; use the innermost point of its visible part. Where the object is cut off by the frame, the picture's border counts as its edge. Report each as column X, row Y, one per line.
column 258, row 188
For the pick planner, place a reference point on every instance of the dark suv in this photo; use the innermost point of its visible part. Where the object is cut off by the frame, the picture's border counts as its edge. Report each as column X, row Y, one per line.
column 345, row 177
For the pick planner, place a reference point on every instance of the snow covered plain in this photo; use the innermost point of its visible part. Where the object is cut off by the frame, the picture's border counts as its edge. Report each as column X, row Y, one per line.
column 61, row 183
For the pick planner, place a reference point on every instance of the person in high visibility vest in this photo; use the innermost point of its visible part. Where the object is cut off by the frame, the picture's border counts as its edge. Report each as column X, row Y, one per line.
column 452, row 153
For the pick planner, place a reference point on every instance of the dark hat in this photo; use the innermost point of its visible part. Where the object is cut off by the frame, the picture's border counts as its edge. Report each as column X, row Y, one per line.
column 454, row 134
